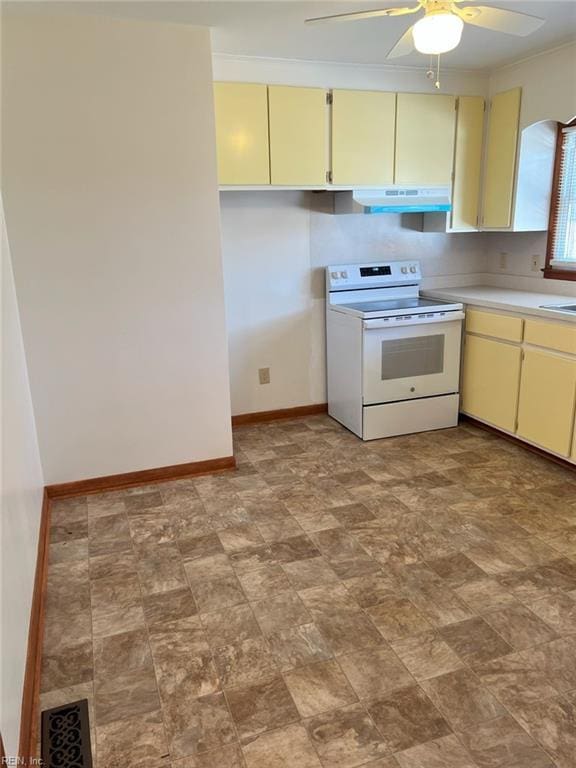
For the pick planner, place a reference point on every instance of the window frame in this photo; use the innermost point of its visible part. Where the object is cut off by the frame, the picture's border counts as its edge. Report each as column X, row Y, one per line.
column 552, row 272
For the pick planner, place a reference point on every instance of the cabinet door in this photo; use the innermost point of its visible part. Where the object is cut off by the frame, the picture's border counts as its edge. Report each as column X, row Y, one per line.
column 547, row 393
column 490, row 381
column 424, row 139
column 501, row 159
column 363, row 124
column 298, row 131
column 242, row 133
column 467, row 163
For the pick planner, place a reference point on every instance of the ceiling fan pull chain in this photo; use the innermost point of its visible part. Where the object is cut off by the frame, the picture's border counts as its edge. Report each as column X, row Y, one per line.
column 437, row 83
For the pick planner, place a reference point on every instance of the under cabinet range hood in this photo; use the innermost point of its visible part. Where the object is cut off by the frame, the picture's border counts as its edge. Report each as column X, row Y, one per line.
column 393, row 199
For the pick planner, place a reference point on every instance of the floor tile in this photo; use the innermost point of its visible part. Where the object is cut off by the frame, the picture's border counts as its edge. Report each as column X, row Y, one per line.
column 264, row 582
column 371, row 589
column 502, row 743
column 160, row 568
column 198, row 725
column 557, row 660
column 485, row 595
column 520, row 627
column 284, row 748
column 397, row 617
column 226, row 757
column 319, row 687
column 475, row 641
column 493, row 559
column 196, row 547
column 515, row 680
column 280, row 611
column 137, row 501
column 351, row 514
column 240, row 537
column 345, row 737
column 406, row 718
column 218, row 594
column 231, row 625
column 169, row 606
column 456, row 569
column 552, row 723
column 208, row 568
column 132, row 743
column 374, row 672
column 70, row 667
column 345, row 556
column 541, row 581
column 295, row 646
column 244, row 663
column 124, row 680
column 292, row 549
column 446, row 752
column 108, row 534
column 261, row 707
column 311, row 572
column 462, row 699
column 558, row 611
column 426, row 655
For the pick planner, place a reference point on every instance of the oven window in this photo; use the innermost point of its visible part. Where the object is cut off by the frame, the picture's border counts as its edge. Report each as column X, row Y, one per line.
column 418, row 356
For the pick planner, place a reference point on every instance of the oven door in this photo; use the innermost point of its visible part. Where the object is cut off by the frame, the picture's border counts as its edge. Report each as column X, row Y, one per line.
column 410, row 357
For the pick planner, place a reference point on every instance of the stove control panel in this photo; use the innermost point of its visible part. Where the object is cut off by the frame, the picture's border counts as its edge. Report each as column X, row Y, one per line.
column 376, row 275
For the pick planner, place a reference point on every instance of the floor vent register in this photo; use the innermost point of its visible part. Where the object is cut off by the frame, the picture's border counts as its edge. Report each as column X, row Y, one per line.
column 66, row 736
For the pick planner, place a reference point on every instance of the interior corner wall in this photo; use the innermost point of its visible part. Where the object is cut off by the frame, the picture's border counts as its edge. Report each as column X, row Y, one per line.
column 111, row 200
column 21, row 488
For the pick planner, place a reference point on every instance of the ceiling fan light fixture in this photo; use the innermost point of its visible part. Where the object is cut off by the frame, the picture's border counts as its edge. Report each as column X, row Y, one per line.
column 437, row 33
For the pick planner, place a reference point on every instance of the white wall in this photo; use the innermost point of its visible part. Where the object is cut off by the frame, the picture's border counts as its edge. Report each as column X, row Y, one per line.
column 548, row 83
column 111, row 201
column 21, row 486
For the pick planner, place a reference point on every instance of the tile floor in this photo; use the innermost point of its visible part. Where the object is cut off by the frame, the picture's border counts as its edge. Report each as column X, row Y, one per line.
column 405, row 603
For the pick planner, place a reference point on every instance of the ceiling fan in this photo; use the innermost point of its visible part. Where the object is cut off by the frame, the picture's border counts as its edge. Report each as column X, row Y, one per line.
column 440, row 29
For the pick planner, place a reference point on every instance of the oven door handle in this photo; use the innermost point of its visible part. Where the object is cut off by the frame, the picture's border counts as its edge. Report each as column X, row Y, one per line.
column 380, row 323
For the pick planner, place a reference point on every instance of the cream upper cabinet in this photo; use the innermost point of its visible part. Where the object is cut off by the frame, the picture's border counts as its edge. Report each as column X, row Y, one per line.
column 501, row 159
column 547, row 398
column 424, row 139
column 242, row 133
column 490, row 377
column 298, row 135
column 467, row 163
column 363, row 125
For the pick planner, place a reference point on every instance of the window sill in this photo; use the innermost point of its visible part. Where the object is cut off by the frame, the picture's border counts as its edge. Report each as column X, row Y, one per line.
column 553, row 273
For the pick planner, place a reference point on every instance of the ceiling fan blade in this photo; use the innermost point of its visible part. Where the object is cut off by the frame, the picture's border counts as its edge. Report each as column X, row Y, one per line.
column 404, row 46
column 366, row 14
column 499, row 20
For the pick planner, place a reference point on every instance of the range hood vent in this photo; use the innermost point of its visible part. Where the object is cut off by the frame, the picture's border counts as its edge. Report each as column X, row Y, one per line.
column 393, row 199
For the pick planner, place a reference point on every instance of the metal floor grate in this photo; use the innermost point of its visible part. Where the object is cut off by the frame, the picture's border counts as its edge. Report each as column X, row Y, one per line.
column 66, row 736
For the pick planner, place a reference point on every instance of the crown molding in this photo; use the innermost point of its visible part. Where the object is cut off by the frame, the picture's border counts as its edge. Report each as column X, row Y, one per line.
column 409, row 68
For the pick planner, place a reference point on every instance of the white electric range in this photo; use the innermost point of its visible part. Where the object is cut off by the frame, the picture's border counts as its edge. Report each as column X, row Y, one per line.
column 393, row 357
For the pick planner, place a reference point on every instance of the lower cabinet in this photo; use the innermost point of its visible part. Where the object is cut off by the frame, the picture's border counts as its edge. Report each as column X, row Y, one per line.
column 490, row 381
column 547, row 398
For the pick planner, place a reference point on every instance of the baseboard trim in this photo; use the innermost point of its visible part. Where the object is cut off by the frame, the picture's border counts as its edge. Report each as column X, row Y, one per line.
column 142, row 477
column 521, row 443
column 283, row 413
column 29, row 716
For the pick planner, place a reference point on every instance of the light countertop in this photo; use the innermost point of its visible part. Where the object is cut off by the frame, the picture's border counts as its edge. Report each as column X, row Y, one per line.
column 526, row 302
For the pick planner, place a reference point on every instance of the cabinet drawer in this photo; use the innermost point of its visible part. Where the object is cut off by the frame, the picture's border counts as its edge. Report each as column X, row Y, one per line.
column 492, row 324
column 556, row 336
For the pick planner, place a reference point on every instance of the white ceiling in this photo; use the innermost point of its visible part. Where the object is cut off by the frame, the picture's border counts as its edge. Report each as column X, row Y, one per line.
column 277, row 29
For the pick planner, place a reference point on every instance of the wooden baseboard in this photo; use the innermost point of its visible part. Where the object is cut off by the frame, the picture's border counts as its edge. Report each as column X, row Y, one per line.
column 282, row 413
column 142, row 477
column 521, row 443
column 29, row 716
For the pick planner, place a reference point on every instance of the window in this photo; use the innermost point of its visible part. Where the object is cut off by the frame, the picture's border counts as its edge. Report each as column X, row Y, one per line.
column 561, row 257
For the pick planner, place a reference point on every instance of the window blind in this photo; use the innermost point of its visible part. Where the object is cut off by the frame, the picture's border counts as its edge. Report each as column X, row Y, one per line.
column 563, row 246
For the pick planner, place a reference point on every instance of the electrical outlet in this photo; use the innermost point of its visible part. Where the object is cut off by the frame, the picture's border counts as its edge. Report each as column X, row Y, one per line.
column 535, row 263
column 503, row 260
column 264, row 375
